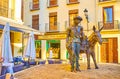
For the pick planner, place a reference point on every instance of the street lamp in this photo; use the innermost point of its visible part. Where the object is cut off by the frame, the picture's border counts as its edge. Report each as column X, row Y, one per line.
column 86, row 15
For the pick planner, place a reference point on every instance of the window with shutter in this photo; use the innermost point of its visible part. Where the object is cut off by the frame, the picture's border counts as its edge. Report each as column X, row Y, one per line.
column 52, row 3
column 35, row 22
column 72, row 1
column 35, row 5
column 72, row 14
column 53, row 21
column 4, row 8
column 108, row 17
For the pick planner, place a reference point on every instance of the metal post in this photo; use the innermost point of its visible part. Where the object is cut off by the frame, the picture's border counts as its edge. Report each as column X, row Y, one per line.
column 86, row 15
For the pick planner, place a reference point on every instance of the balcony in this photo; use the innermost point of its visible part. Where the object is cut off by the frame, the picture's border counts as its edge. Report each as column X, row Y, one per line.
column 8, row 13
column 103, row 0
column 52, row 3
column 33, row 6
column 106, row 1
column 109, row 25
column 72, row 2
column 36, row 27
column 52, row 28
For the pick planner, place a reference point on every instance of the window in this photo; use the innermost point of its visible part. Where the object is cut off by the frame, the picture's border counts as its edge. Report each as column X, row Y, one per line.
column 72, row 14
column 72, row 1
column 35, row 22
column 53, row 21
column 52, row 3
column 108, row 17
column 4, row 8
column 34, row 5
column 108, row 14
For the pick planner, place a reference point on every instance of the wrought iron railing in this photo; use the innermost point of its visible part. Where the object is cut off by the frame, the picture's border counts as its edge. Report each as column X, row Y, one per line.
column 107, row 0
column 36, row 28
column 109, row 25
column 103, row 0
column 52, row 28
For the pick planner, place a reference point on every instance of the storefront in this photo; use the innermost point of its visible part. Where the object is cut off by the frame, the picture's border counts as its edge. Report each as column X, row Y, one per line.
column 54, row 47
column 18, row 38
column 15, row 39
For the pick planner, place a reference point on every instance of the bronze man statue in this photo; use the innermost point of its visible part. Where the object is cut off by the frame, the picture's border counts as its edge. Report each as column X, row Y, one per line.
column 74, row 35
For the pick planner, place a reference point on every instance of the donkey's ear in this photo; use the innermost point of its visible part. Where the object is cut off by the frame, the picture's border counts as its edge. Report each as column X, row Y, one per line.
column 100, row 29
column 94, row 28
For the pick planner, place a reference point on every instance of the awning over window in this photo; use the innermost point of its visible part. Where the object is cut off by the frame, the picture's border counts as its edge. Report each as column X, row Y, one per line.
column 11, row 28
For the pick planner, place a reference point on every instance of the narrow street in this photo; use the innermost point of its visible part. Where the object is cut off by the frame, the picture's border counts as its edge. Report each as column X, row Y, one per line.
column 62, row 71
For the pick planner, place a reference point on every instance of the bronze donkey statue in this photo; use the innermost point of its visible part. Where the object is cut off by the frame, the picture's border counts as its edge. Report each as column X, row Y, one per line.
column 87, row 46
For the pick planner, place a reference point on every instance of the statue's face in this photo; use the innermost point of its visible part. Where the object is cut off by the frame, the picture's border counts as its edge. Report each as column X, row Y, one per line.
column 99, row 38
column 76, row 21
column 97, row 34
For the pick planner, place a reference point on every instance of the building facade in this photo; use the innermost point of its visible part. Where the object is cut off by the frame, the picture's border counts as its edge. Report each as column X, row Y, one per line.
column 108, row 13
column 11, row 11
column 53, row 17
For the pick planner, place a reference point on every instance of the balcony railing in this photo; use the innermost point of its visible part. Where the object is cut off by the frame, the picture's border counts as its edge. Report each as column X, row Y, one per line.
column 107, row 0
column 34, row 6
column 52, row 28
column 5, row 12
column 73, row 1
column 36, row 28
column 109, row 25
column 103, row 0
column 52, row 3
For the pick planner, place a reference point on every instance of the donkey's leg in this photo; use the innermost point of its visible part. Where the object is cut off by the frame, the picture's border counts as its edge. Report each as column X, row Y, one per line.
column 88, row 60
column 94, row 59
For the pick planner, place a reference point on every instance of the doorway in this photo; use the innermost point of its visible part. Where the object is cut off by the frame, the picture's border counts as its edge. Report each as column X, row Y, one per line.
column 109, row 53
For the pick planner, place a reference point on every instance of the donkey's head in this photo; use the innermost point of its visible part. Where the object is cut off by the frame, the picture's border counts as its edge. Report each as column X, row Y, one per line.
column 97, row 34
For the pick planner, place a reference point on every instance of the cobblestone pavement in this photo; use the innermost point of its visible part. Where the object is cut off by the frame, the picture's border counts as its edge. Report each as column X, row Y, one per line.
column 62, row 71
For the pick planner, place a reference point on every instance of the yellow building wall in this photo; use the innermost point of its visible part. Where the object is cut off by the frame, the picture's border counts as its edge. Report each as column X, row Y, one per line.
column 98, row 48
column 114, row 3
column 111, row 34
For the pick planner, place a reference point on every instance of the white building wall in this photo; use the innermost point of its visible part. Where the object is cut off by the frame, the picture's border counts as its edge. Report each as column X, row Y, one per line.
column 63, row 49
column 62, row 13
column 62, row 17
column 116, row 9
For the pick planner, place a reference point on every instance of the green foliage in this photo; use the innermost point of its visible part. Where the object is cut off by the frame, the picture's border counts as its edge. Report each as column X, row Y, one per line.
column 21, row 49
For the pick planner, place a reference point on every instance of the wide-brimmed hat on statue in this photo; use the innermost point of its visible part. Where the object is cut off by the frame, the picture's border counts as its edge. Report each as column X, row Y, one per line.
column 78, row 17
